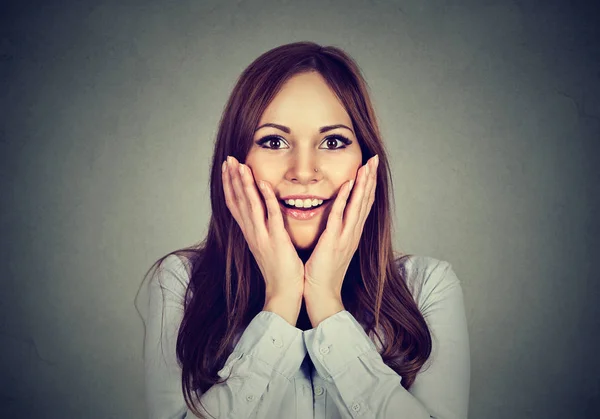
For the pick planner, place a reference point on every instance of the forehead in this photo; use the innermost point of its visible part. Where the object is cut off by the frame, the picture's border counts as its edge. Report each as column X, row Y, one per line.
column 306, row 99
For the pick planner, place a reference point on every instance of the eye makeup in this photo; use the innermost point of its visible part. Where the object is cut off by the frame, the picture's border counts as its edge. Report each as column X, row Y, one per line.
column 272, row 138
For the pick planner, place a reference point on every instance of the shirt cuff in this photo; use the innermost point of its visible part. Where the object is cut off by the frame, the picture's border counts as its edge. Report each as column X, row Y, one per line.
column 335, row 342
column 272, row 340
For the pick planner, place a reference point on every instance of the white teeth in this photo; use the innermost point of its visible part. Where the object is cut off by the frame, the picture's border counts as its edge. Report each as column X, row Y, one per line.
column 304, row 203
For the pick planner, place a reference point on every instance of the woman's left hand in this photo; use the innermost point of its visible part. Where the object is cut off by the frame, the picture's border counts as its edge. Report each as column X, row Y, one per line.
column 325, row 269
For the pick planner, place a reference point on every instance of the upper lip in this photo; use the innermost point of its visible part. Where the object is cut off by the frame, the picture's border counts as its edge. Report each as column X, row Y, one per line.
column 285, row 198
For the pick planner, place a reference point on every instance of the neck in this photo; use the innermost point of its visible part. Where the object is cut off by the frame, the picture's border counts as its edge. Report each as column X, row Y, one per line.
column 303, row 322
column 304, row 254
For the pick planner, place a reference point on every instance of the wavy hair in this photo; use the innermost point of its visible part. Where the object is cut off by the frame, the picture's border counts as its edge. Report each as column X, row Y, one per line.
column 226, row 289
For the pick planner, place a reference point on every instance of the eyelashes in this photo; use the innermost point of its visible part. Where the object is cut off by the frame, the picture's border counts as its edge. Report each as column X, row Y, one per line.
column 269, row 139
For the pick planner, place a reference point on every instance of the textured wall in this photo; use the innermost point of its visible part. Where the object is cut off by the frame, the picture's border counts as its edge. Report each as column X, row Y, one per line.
column 490, row 111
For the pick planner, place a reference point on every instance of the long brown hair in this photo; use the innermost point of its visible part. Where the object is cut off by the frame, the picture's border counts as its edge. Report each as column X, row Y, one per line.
column 226, row 288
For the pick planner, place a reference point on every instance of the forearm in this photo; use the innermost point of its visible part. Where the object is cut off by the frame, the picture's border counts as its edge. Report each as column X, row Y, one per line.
column 357, row 379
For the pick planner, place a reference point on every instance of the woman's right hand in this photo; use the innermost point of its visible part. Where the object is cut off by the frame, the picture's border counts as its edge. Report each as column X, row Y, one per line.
column 262, row 226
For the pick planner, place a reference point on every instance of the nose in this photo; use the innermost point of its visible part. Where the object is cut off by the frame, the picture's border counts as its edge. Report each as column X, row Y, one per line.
column 302, row 167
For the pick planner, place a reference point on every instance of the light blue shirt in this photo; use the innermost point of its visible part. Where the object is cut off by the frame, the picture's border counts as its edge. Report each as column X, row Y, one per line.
column 271, row 376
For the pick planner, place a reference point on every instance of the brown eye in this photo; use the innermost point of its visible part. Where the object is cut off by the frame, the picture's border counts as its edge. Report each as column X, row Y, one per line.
column 336, row 139
column 272, row 141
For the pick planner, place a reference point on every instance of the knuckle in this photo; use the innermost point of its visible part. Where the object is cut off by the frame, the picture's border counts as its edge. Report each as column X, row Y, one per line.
column 249, row 189
column 252, row 207
column 239, row 197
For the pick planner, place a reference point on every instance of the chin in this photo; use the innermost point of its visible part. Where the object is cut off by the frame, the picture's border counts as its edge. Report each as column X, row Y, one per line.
column 305, row 236
column 304, row 241
column 305, row 244
column 306, row 247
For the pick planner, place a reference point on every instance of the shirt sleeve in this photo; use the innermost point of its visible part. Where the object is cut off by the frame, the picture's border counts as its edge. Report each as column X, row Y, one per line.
column 268, row 353
column 362, row 385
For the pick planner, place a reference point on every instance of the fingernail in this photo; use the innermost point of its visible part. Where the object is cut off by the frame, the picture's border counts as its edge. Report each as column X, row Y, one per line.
column 241, row 169
column 351, row 184
column 224, row 166
column 261, row 185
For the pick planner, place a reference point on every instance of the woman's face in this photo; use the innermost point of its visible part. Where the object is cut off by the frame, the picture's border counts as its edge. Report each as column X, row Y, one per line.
column 313, row 131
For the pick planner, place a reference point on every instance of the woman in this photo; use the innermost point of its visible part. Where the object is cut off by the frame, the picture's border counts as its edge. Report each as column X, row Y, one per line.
column 295, row 304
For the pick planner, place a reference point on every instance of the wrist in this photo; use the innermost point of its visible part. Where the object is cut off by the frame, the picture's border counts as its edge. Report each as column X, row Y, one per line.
column 287, row 307
column 290, row 294
column 319, row 294
column 320, row 306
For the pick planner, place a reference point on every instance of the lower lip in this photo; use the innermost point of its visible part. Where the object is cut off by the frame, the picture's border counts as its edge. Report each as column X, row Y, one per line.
column 303, row 215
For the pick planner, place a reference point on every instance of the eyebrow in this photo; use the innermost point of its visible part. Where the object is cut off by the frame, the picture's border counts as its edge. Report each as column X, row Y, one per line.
column 287, row 130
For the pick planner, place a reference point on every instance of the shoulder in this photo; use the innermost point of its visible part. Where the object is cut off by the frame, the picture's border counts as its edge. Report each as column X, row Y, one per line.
column 174, row 270
column 428, row 279
column 166, row 282
column 171, row 273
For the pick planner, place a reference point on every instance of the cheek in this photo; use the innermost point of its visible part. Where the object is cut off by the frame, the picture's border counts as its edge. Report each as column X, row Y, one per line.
column 258, row 172
column 350, row 173
column 262, row 170
column 266, row 176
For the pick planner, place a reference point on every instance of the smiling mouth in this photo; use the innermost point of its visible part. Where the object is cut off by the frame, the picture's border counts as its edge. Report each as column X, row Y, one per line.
column 304, row 214
column 325, row 202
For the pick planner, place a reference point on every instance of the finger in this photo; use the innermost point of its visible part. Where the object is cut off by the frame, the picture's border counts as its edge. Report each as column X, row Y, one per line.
column 240, row 195
column 274, row 216
column 335, row 220
column 256, row 209
column 364, row 210
column 370, row 192
column 230, row 200
column 355, row 205
column 374, row 187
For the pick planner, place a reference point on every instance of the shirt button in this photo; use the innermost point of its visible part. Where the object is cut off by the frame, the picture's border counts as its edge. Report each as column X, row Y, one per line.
column 324, row 350
column 250, row 397
column 318, row 390
column 356, row 407
column 277, row 343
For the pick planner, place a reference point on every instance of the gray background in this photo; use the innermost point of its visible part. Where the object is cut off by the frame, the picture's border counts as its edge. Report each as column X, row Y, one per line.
column 490, row 111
